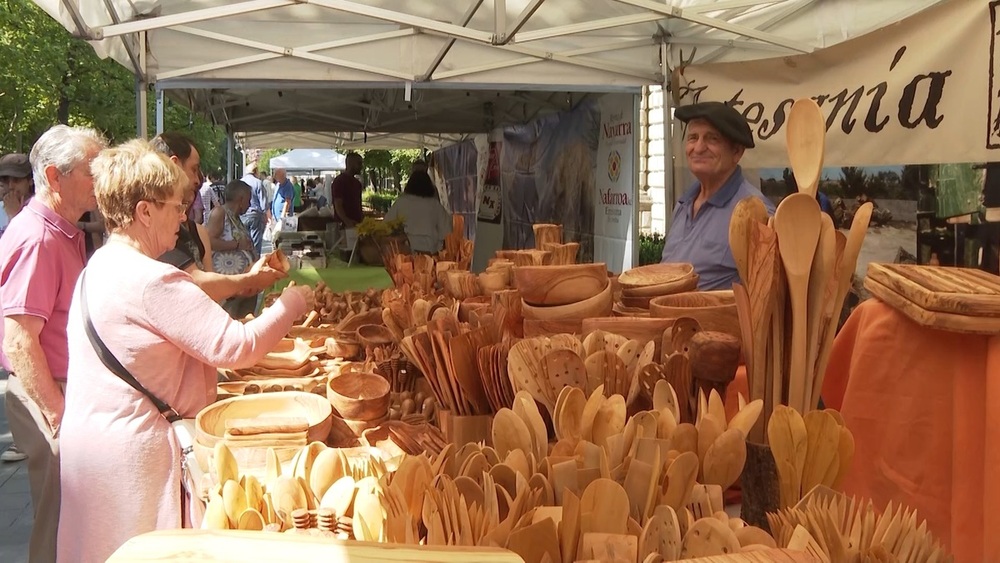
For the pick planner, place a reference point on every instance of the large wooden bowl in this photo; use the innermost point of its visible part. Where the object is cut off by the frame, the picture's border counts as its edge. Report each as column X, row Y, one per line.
column 210, row 424
column 352, row 324
column 599, row 305
column 680, row 285
column 534, row 327
column 560, row 285
column 654, row 274
column 359, row 395
column 714, row 310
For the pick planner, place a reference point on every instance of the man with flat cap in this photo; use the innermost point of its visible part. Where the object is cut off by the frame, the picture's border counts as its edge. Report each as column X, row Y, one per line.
column 15, row 186
column 716, row 137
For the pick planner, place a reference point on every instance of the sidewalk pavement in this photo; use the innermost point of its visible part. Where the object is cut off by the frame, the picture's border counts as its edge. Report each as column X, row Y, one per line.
column 15, row 498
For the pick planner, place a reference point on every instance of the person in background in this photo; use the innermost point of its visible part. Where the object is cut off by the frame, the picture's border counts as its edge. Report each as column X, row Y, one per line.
column 192, row 253
column 347, row 191
column 234, row 252
column 15, row 186
column 284, row 195
column 92, row 225
column 41, row 257
column 255, row 218
column 426, row 221
column 209, row 195
column 15, row 189
column 121, row 462
column 297, row 200
column 419, row 165
column 716, row 138
column 196, row 212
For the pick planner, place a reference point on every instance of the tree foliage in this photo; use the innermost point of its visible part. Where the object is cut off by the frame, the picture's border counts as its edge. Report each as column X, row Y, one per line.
column 388, row 164
column 47, row 76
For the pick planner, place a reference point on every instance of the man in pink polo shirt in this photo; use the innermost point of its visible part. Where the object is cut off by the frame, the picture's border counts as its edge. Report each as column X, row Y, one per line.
column 41, row 256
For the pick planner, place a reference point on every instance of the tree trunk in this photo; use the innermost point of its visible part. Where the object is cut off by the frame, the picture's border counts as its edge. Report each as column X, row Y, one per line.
column 62, row 114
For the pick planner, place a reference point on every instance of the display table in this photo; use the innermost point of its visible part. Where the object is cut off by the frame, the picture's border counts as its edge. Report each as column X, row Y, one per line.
column 924, row 407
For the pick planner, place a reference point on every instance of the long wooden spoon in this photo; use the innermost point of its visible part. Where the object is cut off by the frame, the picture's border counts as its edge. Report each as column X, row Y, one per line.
column 797, row 223
column 819, row 281
column 806, row 138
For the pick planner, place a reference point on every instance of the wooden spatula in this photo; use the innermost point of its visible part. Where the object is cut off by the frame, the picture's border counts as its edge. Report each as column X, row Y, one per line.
column 789, row 441
column 819, row 283
column 746, row 212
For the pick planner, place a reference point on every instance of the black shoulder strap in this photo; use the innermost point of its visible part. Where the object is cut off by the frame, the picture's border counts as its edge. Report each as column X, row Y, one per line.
column 111, row 362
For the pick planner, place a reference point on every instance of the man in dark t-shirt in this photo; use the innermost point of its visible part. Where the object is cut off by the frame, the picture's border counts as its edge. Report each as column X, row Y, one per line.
column 347, row 193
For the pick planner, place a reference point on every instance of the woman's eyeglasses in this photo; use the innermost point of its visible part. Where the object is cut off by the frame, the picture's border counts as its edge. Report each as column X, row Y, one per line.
column 181, row 207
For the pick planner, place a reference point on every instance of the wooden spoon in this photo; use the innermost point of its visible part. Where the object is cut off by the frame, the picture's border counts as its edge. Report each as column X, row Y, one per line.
column 823, row 434
column 806, row 138
column 510, row 433
column 567, row 423
column 789, row 441
column 725, row 459
column 661, row 535
column 747, row 211
column 819, row 282
column 798, row 225
column 681, row 475
column 709, row 537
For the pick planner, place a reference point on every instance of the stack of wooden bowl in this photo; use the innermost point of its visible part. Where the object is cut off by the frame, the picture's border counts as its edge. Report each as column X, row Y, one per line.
column 714, row 310
column 556, row 299
column 499, row 275
column 251, row 424
column 360, row 401
column 640, row 285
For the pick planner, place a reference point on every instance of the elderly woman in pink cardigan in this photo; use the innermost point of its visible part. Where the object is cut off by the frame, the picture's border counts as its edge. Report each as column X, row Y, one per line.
column 120, row 460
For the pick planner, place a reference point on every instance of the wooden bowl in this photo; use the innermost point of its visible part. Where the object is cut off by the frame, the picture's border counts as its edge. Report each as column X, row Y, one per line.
column 714, row 310
column 461, row 284
column 560, row 285
column 597, row 306
column 344, row 345
column 374, row 336
column 562, row 253
column 210, row 423
column 636, row 302
column 359, row 396
column 534, row 327
column 352, row 324
column 654, row 274
column 680, row 285
column 622, row 310
column 494, row 280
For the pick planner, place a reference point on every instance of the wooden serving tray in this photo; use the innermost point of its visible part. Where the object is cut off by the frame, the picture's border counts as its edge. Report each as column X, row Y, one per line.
column 934, row 319
column 959, row 291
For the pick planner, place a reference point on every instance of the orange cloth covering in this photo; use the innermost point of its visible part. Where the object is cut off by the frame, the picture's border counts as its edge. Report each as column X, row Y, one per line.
column 924, row 407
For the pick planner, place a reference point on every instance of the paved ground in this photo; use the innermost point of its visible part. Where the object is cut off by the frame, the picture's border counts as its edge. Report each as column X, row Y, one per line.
column 15, row 500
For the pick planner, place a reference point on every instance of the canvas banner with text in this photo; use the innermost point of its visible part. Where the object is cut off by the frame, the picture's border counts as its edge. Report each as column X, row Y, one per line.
column 614, row 211
column 925, row 90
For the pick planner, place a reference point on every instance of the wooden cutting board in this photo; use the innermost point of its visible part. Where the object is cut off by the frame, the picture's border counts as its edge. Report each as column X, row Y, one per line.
column 960, row 291
column 933, row 319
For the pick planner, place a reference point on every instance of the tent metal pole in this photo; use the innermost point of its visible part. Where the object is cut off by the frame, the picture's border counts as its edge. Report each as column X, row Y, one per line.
column 229, row 156
column 669, row 191
column 159, row 110
column 141, row 89
column 636, row 186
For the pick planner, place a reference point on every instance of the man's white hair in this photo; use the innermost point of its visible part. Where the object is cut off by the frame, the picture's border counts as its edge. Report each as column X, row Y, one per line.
column 63, row 147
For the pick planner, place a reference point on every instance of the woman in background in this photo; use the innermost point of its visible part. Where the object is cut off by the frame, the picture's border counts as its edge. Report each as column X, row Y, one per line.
column 426, row 221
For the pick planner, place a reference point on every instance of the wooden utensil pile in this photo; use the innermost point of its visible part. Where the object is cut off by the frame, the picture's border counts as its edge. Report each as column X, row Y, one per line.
column 461, row 284
column 294, row 365
column 333, row 307
column 408, row 309
column 415, row 270
column 446, row 353
column 492, row 362
column 641, row 284
column 799, row 265
column 406, row 436
column 543, row 366
column 330, row 483
column 813, row 450
column 457, row 248
column 834, row 528
column 413, row 407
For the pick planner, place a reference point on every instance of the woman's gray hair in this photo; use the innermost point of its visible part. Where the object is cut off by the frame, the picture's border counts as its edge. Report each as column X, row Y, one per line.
column 65, row 148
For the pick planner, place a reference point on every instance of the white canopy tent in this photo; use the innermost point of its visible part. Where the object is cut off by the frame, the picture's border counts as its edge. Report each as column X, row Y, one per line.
column 329, row 68
column 309, row 160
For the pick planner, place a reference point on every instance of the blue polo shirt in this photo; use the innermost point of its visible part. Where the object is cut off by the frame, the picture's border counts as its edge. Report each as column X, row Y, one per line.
column 703, row 241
